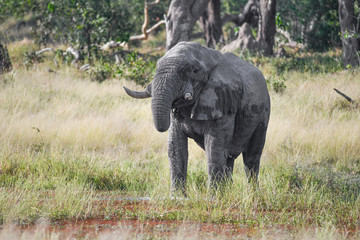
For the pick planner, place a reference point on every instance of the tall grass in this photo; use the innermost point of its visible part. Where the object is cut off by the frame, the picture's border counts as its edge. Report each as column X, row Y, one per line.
column 67, row 142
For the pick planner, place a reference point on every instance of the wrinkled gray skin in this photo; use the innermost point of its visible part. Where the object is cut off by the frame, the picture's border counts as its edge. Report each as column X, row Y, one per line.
column 219, row 100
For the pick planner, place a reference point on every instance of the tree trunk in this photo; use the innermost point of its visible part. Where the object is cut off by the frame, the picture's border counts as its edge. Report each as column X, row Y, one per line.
column 5, row 63
column 182, row 16
column 349, row 32
column 210, row 22
column 250, row 15
column 267, row 27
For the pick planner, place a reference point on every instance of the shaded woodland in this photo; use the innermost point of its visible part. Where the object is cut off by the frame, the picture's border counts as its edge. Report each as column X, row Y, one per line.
column 260, row 26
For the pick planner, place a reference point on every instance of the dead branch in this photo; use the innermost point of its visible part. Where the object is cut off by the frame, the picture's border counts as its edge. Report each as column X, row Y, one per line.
column 145, row 32
column 44, row 50
column 152, row 4
column 75, row 53
column 158, row 24
column 112, row 44
column 345, row 96
column 47, row 50
column 84, row 67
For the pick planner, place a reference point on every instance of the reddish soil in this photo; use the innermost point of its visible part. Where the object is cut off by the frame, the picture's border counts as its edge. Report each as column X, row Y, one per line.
column 92, row 228
column 129, row 228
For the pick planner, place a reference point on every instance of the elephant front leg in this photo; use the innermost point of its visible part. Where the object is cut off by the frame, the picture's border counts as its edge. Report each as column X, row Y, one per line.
column 217, row 169
column 178, row 158
column 217, row 141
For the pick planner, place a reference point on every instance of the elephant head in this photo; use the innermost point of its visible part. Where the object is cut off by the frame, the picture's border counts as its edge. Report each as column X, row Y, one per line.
column 187, row 75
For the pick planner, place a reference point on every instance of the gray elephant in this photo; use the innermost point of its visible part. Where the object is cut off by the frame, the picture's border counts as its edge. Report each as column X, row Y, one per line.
column 219, row 100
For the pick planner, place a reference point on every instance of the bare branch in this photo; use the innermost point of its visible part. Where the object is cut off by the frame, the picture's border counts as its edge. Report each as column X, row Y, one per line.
column 155, row 26
column 152, row 4
column 345, row 96
column 75, row 53
column 44, row 50
column 84, row 67
column 112, row 44
column 145, row 32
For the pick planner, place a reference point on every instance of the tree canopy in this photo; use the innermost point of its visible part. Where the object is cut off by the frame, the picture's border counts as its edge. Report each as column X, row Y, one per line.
column 85, row 24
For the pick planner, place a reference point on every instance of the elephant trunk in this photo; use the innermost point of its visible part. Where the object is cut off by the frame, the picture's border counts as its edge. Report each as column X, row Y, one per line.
column 161, row 102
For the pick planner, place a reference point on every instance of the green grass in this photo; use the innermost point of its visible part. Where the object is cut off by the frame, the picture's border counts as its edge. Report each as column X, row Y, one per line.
column 67, row 142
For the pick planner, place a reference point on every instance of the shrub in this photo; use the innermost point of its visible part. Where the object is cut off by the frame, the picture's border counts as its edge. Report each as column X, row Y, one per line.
column 276, row 83
column 101, row 72
column 139, row 69
column 31, row 58
column 316, row 63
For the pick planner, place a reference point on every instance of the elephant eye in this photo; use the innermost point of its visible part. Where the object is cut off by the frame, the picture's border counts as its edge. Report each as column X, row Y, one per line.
column 195, row 71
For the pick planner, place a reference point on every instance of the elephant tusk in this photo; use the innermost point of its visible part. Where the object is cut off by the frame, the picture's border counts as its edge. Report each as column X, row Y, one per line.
column 136, row 94
column 188, row 96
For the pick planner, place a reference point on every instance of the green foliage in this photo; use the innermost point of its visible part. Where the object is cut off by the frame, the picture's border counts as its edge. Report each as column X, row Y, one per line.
column 315, row 63
column 87, row 24
column 280, row 23
column 348, row 34
column 315, row 23
column 232, row 7
column 236, row 30
column 31, row 58
column 64, row 56
column 277, row 83
column 18, row 8
column 325, row 33
column 84, row 24
column 139, row 69
column 101, row 72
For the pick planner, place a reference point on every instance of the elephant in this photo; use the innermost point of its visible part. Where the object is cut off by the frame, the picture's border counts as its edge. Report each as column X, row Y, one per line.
column 219, row 100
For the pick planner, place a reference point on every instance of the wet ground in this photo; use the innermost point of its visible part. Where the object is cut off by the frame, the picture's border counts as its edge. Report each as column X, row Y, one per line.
column 131, row 228
column 135, row 229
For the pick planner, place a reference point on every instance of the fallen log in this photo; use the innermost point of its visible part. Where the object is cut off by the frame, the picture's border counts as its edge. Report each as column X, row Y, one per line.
column 345, row 96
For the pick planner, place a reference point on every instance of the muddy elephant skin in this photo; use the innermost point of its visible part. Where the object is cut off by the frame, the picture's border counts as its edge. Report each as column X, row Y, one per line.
column 219, row 100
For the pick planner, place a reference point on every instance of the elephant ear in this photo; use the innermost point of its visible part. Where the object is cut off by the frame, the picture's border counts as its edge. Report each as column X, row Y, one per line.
column 220, row 95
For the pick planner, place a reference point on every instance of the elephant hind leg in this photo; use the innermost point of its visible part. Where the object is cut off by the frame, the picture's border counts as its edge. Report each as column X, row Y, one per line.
column 230, row 159
column 253, row 153
column 252, row 164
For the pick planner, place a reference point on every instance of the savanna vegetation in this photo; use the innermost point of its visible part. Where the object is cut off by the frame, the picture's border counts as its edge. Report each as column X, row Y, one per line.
column 74, row 146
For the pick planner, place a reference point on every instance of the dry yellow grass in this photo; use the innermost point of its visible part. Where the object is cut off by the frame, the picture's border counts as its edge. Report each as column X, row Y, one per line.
column 309, row 122
column 73, row 113
column 64, row 134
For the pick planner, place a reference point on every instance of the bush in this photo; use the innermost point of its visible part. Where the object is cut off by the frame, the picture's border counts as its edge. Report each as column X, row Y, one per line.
column 316, row 63
column 87, row 24
column 277, row 84
column 139, row 69
column 5, row 63
column 101, row 72
column 31, row 58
